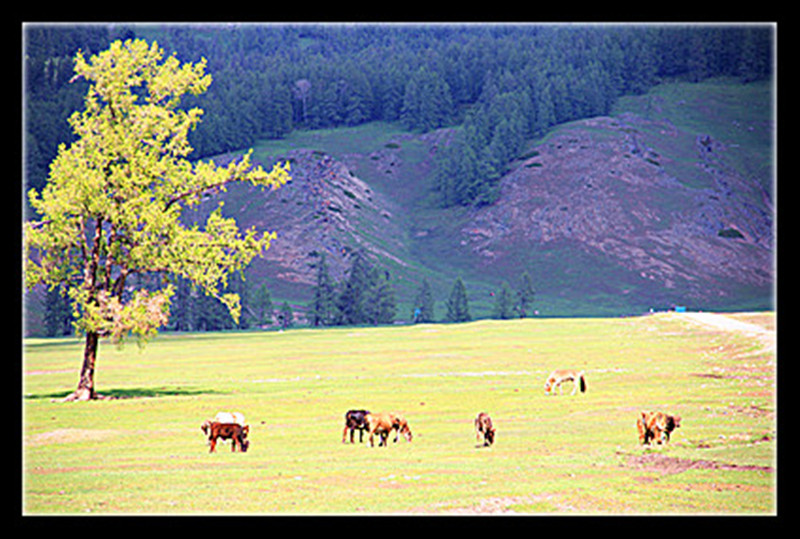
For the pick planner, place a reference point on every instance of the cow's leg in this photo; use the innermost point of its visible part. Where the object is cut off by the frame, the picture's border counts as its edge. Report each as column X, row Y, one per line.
column 213, row 443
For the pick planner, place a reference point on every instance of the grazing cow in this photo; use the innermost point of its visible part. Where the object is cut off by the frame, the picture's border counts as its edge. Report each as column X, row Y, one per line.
column 382, row 423
column 562, row 375
column 355, row 420
column 656, row 426
column 227, row 431
column 400, row 425
column 483, row 425
column 229, row 417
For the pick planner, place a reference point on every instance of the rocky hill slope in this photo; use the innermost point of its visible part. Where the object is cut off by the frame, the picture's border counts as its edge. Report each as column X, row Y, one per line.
column 667, row 202
column 600, row 186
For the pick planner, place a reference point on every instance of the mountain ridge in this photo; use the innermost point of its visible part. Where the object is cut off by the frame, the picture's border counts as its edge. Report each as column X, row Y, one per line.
column 661, row 203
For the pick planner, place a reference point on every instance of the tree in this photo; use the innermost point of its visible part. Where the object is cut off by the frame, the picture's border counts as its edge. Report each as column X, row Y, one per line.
column 504, row 304
column 354, row 291
column 323, row 308
column 457, row 303
column 302, row 92
column 380, row 306
column 427, row 103
column 286, row 316
column 112, row 203
column 57, row 313
column 424, row 304
column 262, row 306
column 525, row 295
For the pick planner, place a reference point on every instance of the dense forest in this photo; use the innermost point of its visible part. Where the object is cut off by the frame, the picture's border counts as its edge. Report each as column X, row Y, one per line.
column 497, row 85
column 501, row 83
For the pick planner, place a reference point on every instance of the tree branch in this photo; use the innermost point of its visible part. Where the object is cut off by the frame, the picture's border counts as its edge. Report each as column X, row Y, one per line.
column 198, row 191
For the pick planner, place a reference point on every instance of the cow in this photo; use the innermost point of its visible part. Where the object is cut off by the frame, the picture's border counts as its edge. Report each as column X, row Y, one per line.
column 382, row 424
column 227, row 431
column 656, row 426
column 483, row 425
column 355, row 420
column 400, row 425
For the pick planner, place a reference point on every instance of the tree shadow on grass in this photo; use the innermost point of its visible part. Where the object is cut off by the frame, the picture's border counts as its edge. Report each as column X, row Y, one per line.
column 131, row 393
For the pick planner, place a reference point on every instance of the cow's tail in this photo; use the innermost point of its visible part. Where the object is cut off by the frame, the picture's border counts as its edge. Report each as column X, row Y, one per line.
column 583, row 383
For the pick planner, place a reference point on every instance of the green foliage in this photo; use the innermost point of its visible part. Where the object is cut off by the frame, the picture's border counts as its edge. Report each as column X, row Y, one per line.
column 525, row 295
column 286, row 316
column 365, row 297
column 112, row 204
column 504, row 303
column 273, row 79
column 424, row 305
column 111, row 208
column 730, row 233
column 427, row 104
column 457, row 303
column 323, row 310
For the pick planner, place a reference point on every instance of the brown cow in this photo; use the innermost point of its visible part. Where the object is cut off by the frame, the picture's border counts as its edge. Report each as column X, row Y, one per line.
column 656, row 426
column 227, row 431
column 483, row 425
column 382, row 423
column 400, row 425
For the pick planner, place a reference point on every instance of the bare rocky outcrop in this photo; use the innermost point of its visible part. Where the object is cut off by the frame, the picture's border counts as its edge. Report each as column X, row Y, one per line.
column 599, row 186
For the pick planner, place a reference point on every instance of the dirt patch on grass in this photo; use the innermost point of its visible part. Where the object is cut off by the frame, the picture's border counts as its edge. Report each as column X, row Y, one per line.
column 503, row 505
column 765, row 335
column 652, row 462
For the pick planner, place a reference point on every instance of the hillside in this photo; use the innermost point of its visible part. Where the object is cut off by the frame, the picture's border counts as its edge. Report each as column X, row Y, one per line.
column 668, row 200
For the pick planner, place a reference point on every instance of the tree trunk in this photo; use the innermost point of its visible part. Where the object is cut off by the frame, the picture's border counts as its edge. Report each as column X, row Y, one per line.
column 85, row 390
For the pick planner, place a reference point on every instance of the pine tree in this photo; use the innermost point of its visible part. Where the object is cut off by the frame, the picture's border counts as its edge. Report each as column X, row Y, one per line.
column 182, row 306
column 525, row 295
column 424, row 306
column 286, row 316
column 457, row 303
column 427, row 103
column 504, row 304
column 352, row 298
column 262, row 306
column 323, row 308
column 380, row 306
column 57, row 314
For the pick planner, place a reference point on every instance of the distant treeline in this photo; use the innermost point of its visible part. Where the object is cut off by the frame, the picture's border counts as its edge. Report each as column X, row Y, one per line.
column 501, row 84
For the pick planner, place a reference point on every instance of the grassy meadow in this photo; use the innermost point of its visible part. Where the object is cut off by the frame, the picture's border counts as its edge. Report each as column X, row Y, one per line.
column 144, row 453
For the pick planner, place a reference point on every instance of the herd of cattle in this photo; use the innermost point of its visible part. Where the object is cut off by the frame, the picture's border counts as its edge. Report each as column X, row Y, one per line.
column 652, row 426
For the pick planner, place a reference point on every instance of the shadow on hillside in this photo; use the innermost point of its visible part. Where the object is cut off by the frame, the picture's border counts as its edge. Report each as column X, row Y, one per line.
column 131, row 393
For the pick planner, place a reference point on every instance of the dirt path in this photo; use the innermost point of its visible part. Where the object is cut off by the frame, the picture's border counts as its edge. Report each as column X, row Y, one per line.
column 766, row 336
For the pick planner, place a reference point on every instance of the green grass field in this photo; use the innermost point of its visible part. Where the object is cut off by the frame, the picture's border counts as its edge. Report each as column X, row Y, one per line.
column 144, row 453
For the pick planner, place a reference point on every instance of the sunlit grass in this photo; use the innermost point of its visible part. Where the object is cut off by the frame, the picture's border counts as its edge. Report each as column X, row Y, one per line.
column 145, row 454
